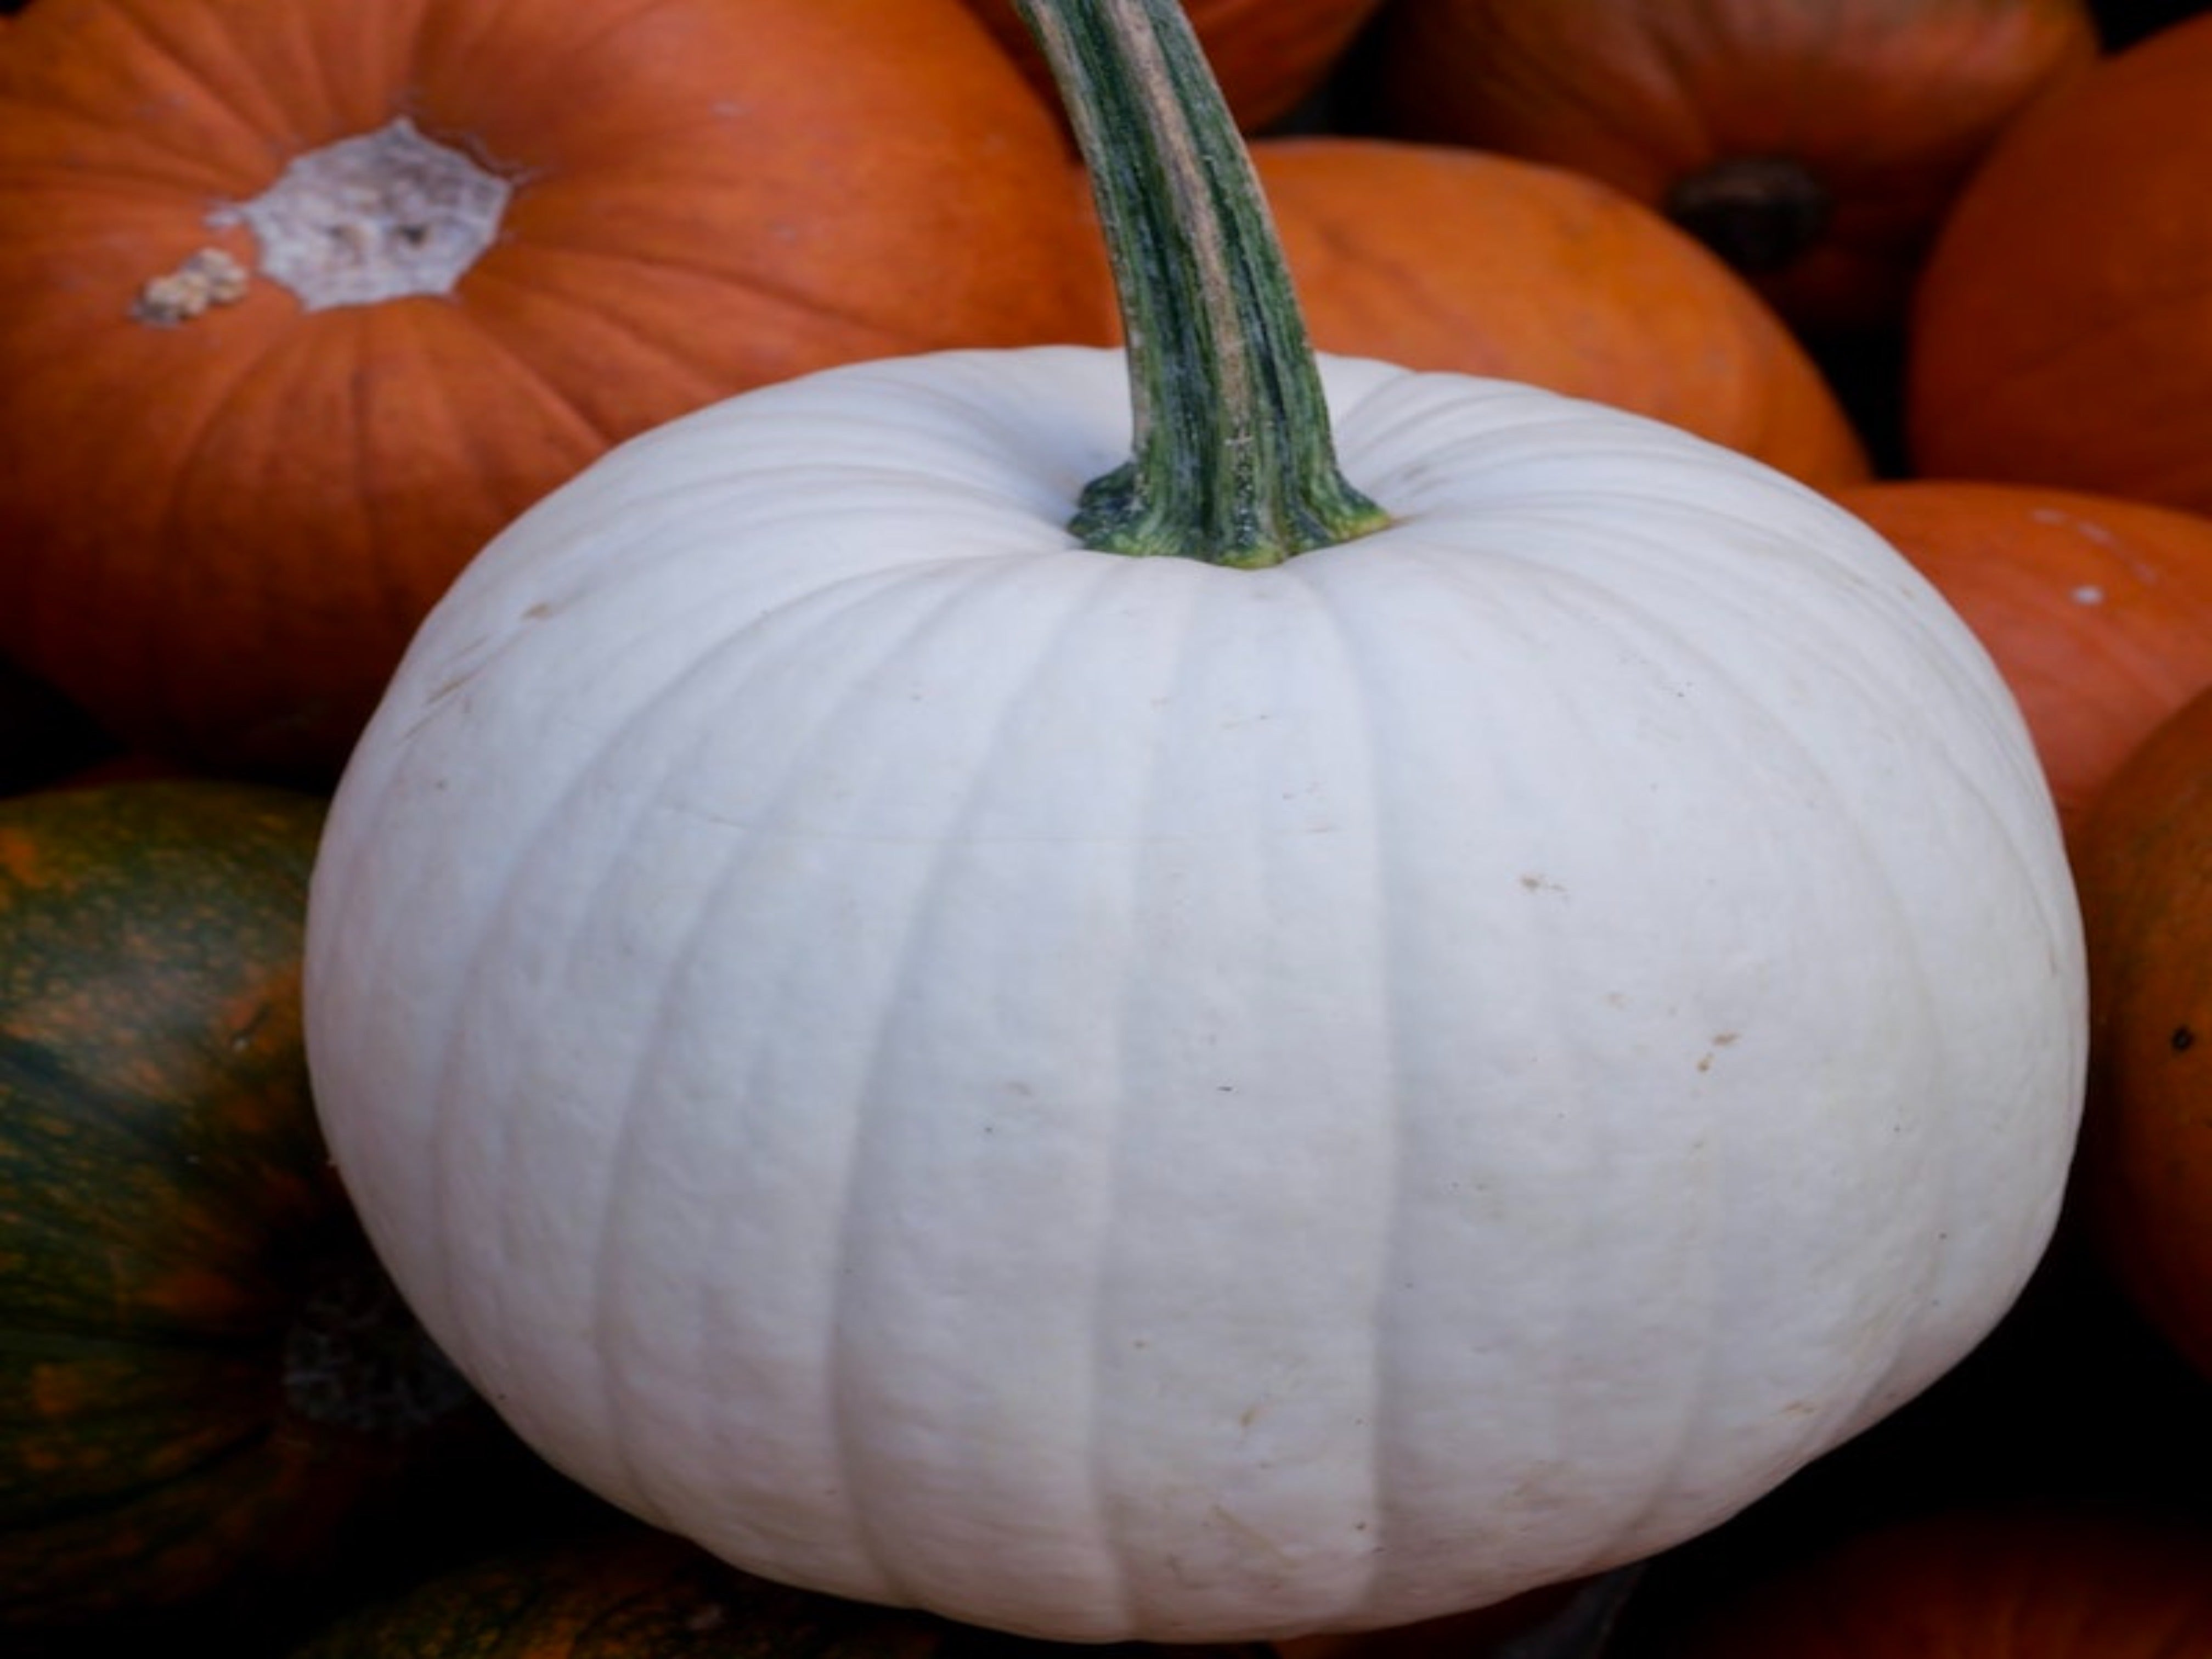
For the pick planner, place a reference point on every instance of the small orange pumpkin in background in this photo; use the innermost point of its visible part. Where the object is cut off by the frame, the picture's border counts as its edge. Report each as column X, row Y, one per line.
column 1445, row 258
column 1268, row 55
column 2144, row 1172
column 1816, row 144
column 305, row 301
column 1440, row 257
column 2054, row 1581
column 2097, row 610
column 2062, row 333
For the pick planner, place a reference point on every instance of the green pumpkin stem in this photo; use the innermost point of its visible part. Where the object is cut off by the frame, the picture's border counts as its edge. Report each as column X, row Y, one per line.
column 1233, row 461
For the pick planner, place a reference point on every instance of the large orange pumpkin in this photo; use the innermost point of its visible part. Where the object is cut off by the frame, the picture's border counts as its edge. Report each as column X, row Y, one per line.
column 2047, row 1582
column 1268, row 55
column 2097, row 610
column 2062, row 330
column 1441, row 258
column 1815, row 144
column 2145, row 1171
column 305, row 301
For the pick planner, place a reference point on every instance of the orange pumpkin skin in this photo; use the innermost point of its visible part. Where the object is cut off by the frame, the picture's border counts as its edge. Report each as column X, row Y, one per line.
column 2144, row 1171
column 1446, row 259
column 2097, row 610
column 1816, row 143
column 2043, row 1583
column 2062, row 331
column 227, row 521
column 1269, row 55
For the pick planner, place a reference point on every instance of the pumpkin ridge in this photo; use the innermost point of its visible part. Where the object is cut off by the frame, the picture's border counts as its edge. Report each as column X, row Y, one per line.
column 503, row 327
column 2143, row 316
column 395, row 583
column 619, row 735
column 888, row 339
column 227, row 384
column 610, row 21
column 1375, row 723
column 167, row 49
column 496, row 325
column 909, row 961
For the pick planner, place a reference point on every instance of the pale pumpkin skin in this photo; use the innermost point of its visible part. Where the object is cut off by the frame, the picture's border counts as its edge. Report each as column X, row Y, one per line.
column 1123, row 1098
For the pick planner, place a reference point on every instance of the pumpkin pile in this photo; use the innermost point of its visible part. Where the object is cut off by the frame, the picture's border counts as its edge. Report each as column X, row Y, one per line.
column 1355, row 830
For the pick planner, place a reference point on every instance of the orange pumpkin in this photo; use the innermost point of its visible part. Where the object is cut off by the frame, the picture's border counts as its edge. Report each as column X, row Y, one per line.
column 305, row 301
column 2097, row 610
column 2144, row 868
column 1814, row 144
column 1267, row 54
column 2047, row 1582
column 2062, row 332
column 1440, row 257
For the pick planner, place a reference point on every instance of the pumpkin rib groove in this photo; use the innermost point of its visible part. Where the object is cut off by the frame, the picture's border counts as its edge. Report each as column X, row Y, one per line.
column 227, row 390
column 1389, row 1391
column 1118, row 1154
column 1378, row 727
column 506, row 325
column 1175, row 631
column 1399, row 1256
column 500, row 326
column 389, row 588
column 448, row 1211
column 1648, row 625
column 846, row 594
column 2150, row 315
column 1585, row 597
column 607, row 1293
column 909, row 962
column 159, row 43
column 889, row 338
column 1115, row 1585
column 608, row 22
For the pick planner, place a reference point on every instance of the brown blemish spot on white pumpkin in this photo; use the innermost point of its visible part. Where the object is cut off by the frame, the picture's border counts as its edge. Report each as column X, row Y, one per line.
column 1720, row 1040
column 377, row 216
column 208, row 276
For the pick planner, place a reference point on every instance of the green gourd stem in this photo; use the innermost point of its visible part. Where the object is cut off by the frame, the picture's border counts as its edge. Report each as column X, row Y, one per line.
column 1233, row 461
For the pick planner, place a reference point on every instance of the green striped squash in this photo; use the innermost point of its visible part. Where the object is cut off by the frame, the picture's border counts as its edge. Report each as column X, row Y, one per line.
column 203, row 1373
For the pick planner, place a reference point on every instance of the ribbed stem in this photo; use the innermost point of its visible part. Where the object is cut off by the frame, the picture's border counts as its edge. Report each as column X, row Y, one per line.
column 1233, row 460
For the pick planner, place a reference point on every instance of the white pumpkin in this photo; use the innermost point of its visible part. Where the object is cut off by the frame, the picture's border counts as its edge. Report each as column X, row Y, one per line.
column 1119, row 1097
